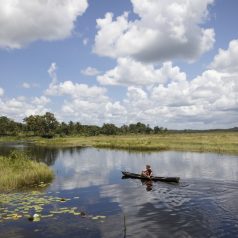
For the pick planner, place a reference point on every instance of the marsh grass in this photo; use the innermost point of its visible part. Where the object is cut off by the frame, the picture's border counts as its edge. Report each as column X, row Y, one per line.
column 18, row 171
column 218, row 142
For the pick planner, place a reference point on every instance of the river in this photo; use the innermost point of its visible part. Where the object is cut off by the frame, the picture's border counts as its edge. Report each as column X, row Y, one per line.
column 203, row 204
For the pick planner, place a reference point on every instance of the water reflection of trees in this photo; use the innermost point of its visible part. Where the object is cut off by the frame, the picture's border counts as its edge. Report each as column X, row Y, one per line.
column 6, row 148
column 42, row 154
column 49, row 155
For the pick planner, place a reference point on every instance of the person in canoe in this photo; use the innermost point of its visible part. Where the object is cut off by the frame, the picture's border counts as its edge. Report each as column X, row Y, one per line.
column 147, row 172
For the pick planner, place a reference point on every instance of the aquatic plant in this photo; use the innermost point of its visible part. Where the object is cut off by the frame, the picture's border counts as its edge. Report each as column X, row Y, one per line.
column 35, row 206
column 18, row 171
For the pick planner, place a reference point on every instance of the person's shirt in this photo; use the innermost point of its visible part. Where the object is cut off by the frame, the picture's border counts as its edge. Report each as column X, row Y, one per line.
column 149, row 172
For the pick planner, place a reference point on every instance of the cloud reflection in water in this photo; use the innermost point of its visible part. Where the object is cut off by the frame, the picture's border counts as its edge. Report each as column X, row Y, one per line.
column 87, row 167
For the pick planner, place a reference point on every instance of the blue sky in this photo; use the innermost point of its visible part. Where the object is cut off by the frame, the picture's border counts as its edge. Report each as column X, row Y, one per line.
column 162, row 62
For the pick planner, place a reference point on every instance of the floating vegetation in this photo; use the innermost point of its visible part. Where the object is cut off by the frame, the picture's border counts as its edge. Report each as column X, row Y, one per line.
column 98, row 217
column 35, row 206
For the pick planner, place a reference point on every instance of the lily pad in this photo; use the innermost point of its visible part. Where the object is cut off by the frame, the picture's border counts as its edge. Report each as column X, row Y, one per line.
column 16, row 206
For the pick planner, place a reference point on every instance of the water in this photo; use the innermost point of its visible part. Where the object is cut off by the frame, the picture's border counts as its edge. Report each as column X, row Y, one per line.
column 203, row 204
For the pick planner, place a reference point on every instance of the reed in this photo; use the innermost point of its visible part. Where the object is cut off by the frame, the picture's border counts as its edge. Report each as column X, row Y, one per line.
column 18, row 171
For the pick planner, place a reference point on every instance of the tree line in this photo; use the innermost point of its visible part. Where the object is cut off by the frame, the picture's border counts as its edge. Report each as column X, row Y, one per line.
column 47, row 126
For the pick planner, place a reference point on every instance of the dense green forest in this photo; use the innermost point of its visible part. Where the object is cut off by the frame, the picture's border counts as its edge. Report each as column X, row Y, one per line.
column 47, row 126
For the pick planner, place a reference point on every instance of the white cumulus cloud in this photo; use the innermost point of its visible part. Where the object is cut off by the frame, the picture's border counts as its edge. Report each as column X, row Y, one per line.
column 52, row 72
column 90, row 71
column 131, row 72
column 84, row 103
column 69, row 88
column 22, row 22
column 208, row 100
column 75, row 90
column 164, row 30
column 20, row 107
column 28, row 85
column 158, row 95
column 87, row 104
column 227, row 60
column 155, row 95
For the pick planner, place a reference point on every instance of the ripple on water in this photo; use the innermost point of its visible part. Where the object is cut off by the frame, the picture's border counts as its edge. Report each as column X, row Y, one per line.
column 194, row 209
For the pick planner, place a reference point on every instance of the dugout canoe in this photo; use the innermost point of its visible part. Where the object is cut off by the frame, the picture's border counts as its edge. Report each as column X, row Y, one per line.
column 153, row 178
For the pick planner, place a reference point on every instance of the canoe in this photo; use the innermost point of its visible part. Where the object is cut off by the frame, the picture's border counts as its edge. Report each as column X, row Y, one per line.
column 153, row 178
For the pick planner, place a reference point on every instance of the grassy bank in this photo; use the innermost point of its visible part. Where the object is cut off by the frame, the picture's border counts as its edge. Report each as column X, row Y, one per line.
column 6, row 139
column 17, row 171
column 219, row 142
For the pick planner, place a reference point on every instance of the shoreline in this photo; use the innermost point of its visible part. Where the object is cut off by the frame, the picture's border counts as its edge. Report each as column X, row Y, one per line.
column 216, row 142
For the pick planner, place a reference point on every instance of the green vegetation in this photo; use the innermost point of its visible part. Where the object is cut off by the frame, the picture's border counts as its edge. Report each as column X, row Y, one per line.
column 15, row 206
column 9, row 127
column 44, row 126
column 7, row 139
column 48, row 127
column 138, row 136
column 219, row 142
column 18, row 171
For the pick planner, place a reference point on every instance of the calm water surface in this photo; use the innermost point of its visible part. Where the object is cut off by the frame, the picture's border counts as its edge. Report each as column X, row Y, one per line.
column 204, row 204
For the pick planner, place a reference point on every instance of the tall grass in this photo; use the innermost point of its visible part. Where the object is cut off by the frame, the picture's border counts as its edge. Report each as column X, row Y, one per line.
column 18, row 171
column 219, row 142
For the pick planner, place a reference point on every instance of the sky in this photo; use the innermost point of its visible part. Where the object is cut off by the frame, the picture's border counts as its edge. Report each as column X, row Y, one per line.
column 171, row 63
